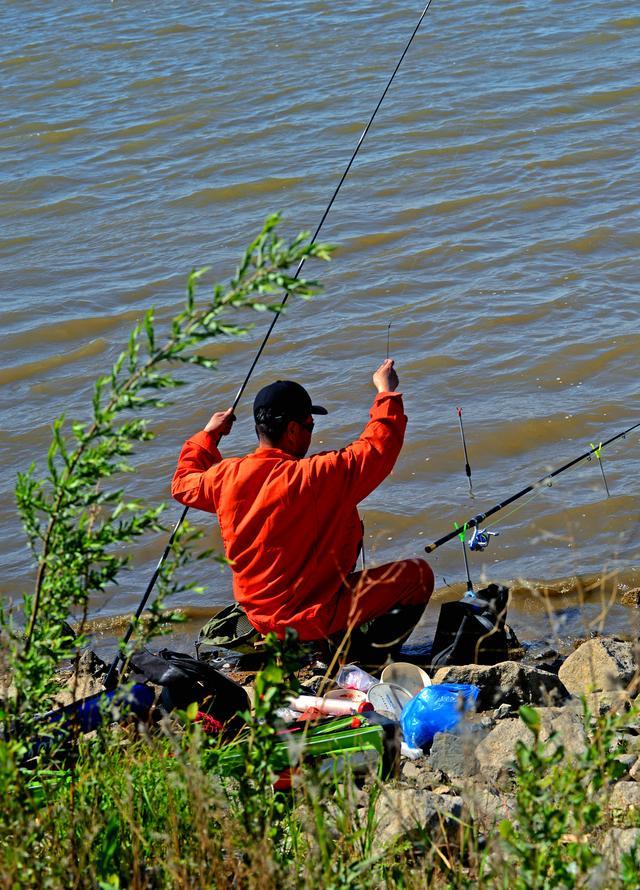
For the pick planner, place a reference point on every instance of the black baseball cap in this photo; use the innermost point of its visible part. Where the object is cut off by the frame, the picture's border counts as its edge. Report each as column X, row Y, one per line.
column 286, row 399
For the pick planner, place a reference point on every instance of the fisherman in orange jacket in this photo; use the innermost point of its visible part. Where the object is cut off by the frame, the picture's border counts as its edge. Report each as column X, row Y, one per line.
column 290, row 524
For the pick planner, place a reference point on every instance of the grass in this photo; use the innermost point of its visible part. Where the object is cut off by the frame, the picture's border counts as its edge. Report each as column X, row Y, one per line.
column 147, row 807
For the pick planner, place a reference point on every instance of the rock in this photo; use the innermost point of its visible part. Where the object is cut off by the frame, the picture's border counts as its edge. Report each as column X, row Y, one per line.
column 569, row 726
column 454, row 755
column 487, row 806
column 631, row 597
column 505, row 710
column 602, row 702
column 90, row 663
column 634, row 772
column 506, row 683
column 84, row 680
column 616, row 843
column 401, row 812
column 625, row 796
column 543, row 656
column 496, row 753
column 419, row 774
column 627, row 760
column 599, row 665
column 442, row 789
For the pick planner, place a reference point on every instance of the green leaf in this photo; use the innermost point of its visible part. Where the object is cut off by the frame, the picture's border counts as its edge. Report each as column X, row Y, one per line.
column 78, row 519
column 148, row 326
column 530, row 717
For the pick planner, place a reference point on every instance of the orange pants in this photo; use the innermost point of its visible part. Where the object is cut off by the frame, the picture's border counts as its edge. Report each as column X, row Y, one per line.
column 374, row 592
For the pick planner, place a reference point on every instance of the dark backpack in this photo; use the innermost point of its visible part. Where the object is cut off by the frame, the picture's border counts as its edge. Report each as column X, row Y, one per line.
column 186, row 680
column 474, row 630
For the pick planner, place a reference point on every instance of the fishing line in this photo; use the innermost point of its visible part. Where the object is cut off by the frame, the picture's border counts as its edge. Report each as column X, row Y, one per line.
column 112, row 676
column 475, row 521
column 598, row 453
column 540, row 489
column 519, row 507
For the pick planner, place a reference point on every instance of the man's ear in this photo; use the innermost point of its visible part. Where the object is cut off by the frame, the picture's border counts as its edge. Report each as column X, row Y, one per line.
column 290, row 431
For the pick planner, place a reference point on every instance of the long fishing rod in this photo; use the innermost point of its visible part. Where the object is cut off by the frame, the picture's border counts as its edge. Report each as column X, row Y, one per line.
column 111, row 678
column 467, row 465
column 475, row 521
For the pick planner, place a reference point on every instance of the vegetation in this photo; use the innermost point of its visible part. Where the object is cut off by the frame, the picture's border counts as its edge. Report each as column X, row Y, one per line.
column 79, row 522
column 156, row 805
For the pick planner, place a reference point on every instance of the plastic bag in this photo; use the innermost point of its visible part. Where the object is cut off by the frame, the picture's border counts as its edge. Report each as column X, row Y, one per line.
column 437, row 708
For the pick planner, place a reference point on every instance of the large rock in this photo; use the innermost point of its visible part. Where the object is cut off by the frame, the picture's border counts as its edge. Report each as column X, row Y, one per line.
column 599, row 665
column 403, row 811
column 634, row 771
column 600, row 703
column 487, row 806
column 454, row 755
column 420, row 774
column 625, row 796
column 496, row 753
column 508, row 683
column 616, row 843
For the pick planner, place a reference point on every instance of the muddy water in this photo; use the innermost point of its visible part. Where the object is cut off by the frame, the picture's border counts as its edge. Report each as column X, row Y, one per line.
column 492, row 219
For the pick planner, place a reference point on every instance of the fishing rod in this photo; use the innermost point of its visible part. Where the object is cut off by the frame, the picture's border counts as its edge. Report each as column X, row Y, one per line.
column 475, row 521
column 467, row 466
column 111, row 678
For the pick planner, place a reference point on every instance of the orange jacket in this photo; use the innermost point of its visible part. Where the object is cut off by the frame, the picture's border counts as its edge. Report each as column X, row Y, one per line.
column 289, row 525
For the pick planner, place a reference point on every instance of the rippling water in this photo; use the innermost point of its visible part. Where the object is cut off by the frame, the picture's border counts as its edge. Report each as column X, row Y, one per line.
column 491, row 218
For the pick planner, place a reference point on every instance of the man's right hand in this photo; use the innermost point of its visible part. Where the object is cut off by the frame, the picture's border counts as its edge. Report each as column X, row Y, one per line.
column 385, row 378
column 220, row 423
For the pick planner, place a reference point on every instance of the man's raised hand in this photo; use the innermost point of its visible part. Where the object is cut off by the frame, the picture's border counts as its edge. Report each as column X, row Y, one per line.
column 385, row 378
column 220, row 423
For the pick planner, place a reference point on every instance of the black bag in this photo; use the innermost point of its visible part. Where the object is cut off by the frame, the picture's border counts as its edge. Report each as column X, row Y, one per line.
column 473, row 630
column 186, row 680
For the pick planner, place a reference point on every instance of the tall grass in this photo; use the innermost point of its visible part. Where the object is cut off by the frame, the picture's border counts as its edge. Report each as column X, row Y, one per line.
column 148, row 807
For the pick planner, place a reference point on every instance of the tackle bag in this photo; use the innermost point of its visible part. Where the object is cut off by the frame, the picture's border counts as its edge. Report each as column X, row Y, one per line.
column 185, row 680
column 229, row 629
column 473, row 630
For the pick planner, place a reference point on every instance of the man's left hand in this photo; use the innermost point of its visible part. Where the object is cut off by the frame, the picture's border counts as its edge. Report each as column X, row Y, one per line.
column 220, row 423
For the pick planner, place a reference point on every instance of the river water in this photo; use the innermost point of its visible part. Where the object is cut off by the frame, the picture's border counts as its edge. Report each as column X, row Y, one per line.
column 491, row 218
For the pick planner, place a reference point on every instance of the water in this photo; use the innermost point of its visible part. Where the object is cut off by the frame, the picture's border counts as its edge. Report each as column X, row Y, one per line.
column 492, row 218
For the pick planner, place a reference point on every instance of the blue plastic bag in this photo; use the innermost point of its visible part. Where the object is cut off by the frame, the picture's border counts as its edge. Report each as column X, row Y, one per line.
column 437, row 708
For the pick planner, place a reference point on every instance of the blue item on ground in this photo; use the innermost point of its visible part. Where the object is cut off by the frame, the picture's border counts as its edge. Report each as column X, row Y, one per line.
column 437, row 708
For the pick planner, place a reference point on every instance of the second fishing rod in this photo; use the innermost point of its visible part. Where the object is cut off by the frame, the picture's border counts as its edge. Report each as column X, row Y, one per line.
column 111, row 678
column 475, row 521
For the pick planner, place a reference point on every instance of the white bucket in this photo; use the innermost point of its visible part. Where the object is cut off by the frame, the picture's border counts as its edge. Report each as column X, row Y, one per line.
column 409, row 676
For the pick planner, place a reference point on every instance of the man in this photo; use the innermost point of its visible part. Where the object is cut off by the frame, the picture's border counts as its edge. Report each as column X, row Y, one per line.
column 290, row 524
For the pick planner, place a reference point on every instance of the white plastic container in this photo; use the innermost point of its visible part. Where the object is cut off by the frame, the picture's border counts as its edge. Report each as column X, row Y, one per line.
column 388, row 699
column 409, row 676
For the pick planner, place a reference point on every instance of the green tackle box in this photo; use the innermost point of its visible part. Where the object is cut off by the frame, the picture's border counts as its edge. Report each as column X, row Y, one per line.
column 357, row 744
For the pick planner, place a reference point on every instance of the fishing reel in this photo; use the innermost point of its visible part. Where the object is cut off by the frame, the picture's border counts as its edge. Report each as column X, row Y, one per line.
column 480, row 537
